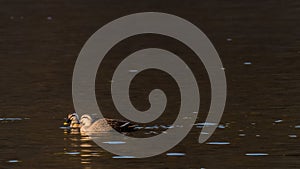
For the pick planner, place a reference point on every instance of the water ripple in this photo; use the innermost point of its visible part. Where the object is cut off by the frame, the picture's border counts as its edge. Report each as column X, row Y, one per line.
column 218, row 143
column 176, row 154
column 256, row 154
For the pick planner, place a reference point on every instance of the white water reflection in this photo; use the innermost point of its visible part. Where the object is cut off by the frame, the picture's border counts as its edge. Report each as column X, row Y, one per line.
column 176, row 154
column 122, row 157
column 114, row 142
column 256, row 154
column 14, row 161
column 218, row 143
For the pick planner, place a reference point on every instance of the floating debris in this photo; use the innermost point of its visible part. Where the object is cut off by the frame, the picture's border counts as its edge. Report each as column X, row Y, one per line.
column 123, row 157
column 218, row 143
column 242, row 135
column 114, row 142
column 176, row 154
column 229, row 39
column 256, row 154
column 49, row 18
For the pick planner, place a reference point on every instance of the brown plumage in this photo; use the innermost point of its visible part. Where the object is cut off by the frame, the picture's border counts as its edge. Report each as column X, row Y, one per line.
column 86, row 124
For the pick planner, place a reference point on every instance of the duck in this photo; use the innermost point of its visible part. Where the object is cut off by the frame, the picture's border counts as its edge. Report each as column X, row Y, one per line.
column 72, row 120
column 86, row 124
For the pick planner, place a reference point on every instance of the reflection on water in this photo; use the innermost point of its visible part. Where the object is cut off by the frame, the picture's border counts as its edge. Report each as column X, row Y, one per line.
column 175, row 154
column 80, row 148
column 114, row 142
column 10, row 119
column 293, row 136
column 256, row 154
column 123, row 157
column 218, row 143
column 81, row 145
column 78, row 145
column 13, row 161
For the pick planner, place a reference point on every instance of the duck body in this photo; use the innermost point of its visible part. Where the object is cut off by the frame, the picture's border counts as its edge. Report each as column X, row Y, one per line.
column 87, row 125
column 72, row 120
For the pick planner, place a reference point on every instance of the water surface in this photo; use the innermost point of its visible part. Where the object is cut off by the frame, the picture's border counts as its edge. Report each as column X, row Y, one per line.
column 258, row 42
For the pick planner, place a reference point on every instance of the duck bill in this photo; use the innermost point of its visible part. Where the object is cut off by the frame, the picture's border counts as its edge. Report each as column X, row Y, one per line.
column 67, row 122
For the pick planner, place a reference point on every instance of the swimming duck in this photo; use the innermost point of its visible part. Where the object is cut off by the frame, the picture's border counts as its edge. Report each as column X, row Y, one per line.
column 87, row 124
column 72, row 120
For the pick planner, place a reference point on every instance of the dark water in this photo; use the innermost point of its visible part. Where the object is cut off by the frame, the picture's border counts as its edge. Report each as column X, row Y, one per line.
column 258, row 42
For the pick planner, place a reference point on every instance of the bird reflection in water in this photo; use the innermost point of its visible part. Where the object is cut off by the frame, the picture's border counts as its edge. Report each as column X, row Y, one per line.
column 77, row 131
column 79, row 145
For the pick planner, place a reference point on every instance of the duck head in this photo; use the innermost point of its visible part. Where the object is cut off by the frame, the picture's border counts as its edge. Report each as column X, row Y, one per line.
column 86, row 120
column 72, row 120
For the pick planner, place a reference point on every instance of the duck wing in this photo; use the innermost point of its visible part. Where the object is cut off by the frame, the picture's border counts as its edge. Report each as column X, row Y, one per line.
column 121, row 125
column 99, row 125
column 104, row 125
